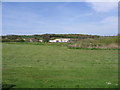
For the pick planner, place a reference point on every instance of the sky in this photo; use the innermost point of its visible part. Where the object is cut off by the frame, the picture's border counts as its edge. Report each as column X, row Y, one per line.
column 27, row 18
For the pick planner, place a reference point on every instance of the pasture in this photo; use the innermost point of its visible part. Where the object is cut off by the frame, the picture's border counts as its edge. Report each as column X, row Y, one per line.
column 50, row 66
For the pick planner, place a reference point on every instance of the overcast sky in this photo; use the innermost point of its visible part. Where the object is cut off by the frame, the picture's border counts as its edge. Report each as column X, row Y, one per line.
column 97, row 18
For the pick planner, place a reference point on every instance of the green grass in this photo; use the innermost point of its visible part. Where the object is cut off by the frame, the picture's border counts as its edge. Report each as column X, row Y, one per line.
column 52, row 66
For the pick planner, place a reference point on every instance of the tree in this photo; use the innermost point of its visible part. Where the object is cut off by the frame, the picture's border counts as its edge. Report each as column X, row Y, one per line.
column 46, row 38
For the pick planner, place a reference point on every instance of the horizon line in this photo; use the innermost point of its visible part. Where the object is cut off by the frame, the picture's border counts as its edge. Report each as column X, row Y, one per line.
column 56, row 33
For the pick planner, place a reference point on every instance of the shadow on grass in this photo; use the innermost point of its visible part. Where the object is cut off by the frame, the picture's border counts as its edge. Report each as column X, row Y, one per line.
column 7, row 86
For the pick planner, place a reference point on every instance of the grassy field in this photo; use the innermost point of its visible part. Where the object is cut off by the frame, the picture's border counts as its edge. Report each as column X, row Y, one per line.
column 50, row 66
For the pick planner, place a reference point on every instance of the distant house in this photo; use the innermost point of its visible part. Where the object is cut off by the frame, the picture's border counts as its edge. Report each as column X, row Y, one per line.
column 34, row 40
column 40, row 40
column 60, row 40
column 24, row 39
column 52, row 40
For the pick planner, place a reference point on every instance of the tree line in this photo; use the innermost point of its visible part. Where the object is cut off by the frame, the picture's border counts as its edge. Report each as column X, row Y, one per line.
column 44, row 37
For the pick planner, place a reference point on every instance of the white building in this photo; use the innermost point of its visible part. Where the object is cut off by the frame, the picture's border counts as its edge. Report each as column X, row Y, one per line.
column 40, row 40
column 52, row 40
column 60, row 40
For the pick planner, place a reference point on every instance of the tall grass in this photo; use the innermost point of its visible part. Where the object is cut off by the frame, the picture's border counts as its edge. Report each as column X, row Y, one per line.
column 102, row 42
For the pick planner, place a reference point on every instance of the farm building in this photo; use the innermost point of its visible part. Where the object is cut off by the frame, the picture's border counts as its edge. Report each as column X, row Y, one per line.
column 40, row 40
column 60, row 40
